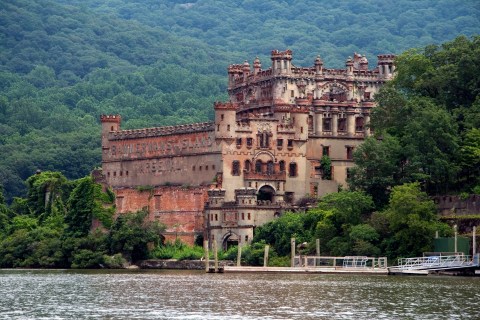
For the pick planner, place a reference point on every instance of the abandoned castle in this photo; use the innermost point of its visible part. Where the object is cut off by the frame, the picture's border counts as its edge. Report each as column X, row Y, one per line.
column 286, row 132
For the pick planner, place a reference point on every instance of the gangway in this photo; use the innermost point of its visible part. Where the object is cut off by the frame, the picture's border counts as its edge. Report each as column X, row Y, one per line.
column 427, row 264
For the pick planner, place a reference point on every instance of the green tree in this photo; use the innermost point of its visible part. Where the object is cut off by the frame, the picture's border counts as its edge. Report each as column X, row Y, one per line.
column 412, row 220
column 131, row 233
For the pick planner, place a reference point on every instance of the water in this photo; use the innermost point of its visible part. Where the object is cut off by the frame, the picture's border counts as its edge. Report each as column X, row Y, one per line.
column 70, row 294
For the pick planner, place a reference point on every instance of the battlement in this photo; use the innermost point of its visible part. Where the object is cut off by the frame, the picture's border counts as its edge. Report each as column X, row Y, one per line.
column 225, row 106
column 276, row 54
column 114, row 118
column 162, row 131
column 216, row 193
column 246, row 192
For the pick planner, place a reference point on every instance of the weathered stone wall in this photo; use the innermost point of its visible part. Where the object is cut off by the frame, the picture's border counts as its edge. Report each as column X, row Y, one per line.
column 180, row 209
column 456, row 205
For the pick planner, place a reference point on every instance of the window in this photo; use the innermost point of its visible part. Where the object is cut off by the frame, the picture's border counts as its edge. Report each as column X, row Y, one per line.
column 342, row 124
column 310, row 123
column 221, row 117
column 114, row 173
column 249, row 217
column 200, row 168
column 290, row 143
column 243, row 215
column 326, row 151
column 292, row 93
column 239, row 142
column 126, row 173
column 301, row 129
column 282, row 165
column 213, row 167
column 327, row 124
column 111, row 129
column 270, row 168
column 279, row 143
column 292, row 172
column 249, row 142
column 236, row 168
column 216, row 217
column 264, row 140
column 349, row 152
column 206, row 167
column 218, row 127
column 248, row 165
column 193, row 168
column 246, row 238
column 349, row 174
column 359, row 124
column 228, row 127
column 258, row 166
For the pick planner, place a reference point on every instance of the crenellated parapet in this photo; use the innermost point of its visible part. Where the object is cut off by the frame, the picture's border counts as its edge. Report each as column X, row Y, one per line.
column 113, row 118
column 246, row 192
column 225, row 106
column 161, row 131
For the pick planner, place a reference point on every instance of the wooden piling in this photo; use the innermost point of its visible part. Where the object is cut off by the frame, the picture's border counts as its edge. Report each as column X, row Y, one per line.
column 292, row 249
column 265, row 256
column 215, row 252
column 206, row 253
column 239, row 255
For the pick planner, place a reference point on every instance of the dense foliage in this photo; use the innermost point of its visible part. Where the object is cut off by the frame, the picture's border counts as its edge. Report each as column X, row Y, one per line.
column 426, row 124
column 64, row 63
column 51, row 228
column 346, row 224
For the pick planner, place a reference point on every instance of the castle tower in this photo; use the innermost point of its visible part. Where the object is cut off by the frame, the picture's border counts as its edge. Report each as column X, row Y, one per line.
column 257, row 66
column 110, row 123
column 281, row 62
column 386, row 65
column 225, row 120
column 318, row 66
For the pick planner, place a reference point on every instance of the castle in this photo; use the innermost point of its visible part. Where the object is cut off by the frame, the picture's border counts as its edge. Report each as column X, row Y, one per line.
column 286, row 133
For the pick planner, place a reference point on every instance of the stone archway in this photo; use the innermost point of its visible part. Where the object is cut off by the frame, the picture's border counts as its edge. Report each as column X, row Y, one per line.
column 266, row 193
column 230, row 239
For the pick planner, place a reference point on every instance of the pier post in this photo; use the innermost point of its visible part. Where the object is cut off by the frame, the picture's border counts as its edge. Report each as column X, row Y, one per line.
column 455, row 228
column 239, row 255
column 215, row 252
column 317, row 245
column 292, row 249
column 206, row 253
column 265, row 256
column 474, row 240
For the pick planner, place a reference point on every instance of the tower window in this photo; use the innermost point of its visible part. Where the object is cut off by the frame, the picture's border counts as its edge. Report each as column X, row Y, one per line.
column 236, row 168
column 292, row 172
column 258, row 166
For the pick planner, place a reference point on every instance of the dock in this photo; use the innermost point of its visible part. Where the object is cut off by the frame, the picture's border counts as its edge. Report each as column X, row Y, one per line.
column 300, row 270
column 436, row 264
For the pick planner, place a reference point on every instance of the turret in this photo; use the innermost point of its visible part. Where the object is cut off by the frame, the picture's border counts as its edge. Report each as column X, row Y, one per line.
column 225, row 120
column 246, row 70
column 364, row 64
column 349, row 66
column 281, row 61
column 257, row 66
column 110, row 123
column 318, row 66
column 386, row 65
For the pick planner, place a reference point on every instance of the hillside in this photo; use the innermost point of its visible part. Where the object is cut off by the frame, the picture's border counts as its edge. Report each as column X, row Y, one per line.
column 63, row 63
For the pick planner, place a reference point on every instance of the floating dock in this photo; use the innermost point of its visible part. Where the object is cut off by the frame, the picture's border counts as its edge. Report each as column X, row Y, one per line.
column 366, row 270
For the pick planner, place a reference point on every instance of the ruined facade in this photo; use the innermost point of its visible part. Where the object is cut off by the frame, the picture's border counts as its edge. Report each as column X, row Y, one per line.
column 287, row 132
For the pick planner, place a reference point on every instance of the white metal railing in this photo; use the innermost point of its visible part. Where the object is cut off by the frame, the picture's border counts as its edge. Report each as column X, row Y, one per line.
column 340, row 262
column 434, row 262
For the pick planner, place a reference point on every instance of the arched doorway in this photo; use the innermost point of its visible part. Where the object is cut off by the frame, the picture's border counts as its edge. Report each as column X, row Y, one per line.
column 266, row 193
column 229, row 240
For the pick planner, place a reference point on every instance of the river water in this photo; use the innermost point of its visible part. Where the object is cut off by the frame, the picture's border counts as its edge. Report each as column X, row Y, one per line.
column 141, row 294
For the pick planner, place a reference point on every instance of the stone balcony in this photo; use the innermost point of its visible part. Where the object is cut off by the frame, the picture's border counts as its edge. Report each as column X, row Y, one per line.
column 276, row 176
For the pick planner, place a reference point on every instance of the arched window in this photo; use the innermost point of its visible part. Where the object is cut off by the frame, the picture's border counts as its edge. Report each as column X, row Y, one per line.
column 270, row 168
column 258, row 166
column 248, row 165
column 282, row 165
column 292, row 172
column 359, row 124
column 236, row 168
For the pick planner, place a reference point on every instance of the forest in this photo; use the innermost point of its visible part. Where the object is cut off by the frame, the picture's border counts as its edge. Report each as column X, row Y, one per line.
column 63, row 63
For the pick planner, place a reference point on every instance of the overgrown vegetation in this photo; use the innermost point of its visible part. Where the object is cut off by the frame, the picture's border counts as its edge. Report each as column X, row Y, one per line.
column 64, row 63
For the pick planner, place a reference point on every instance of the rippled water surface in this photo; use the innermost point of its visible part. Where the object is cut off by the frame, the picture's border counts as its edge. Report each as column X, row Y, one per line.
column 68, row 294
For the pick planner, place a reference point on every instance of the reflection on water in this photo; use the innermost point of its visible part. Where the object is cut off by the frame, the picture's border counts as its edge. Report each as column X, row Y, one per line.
column 69, row 294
